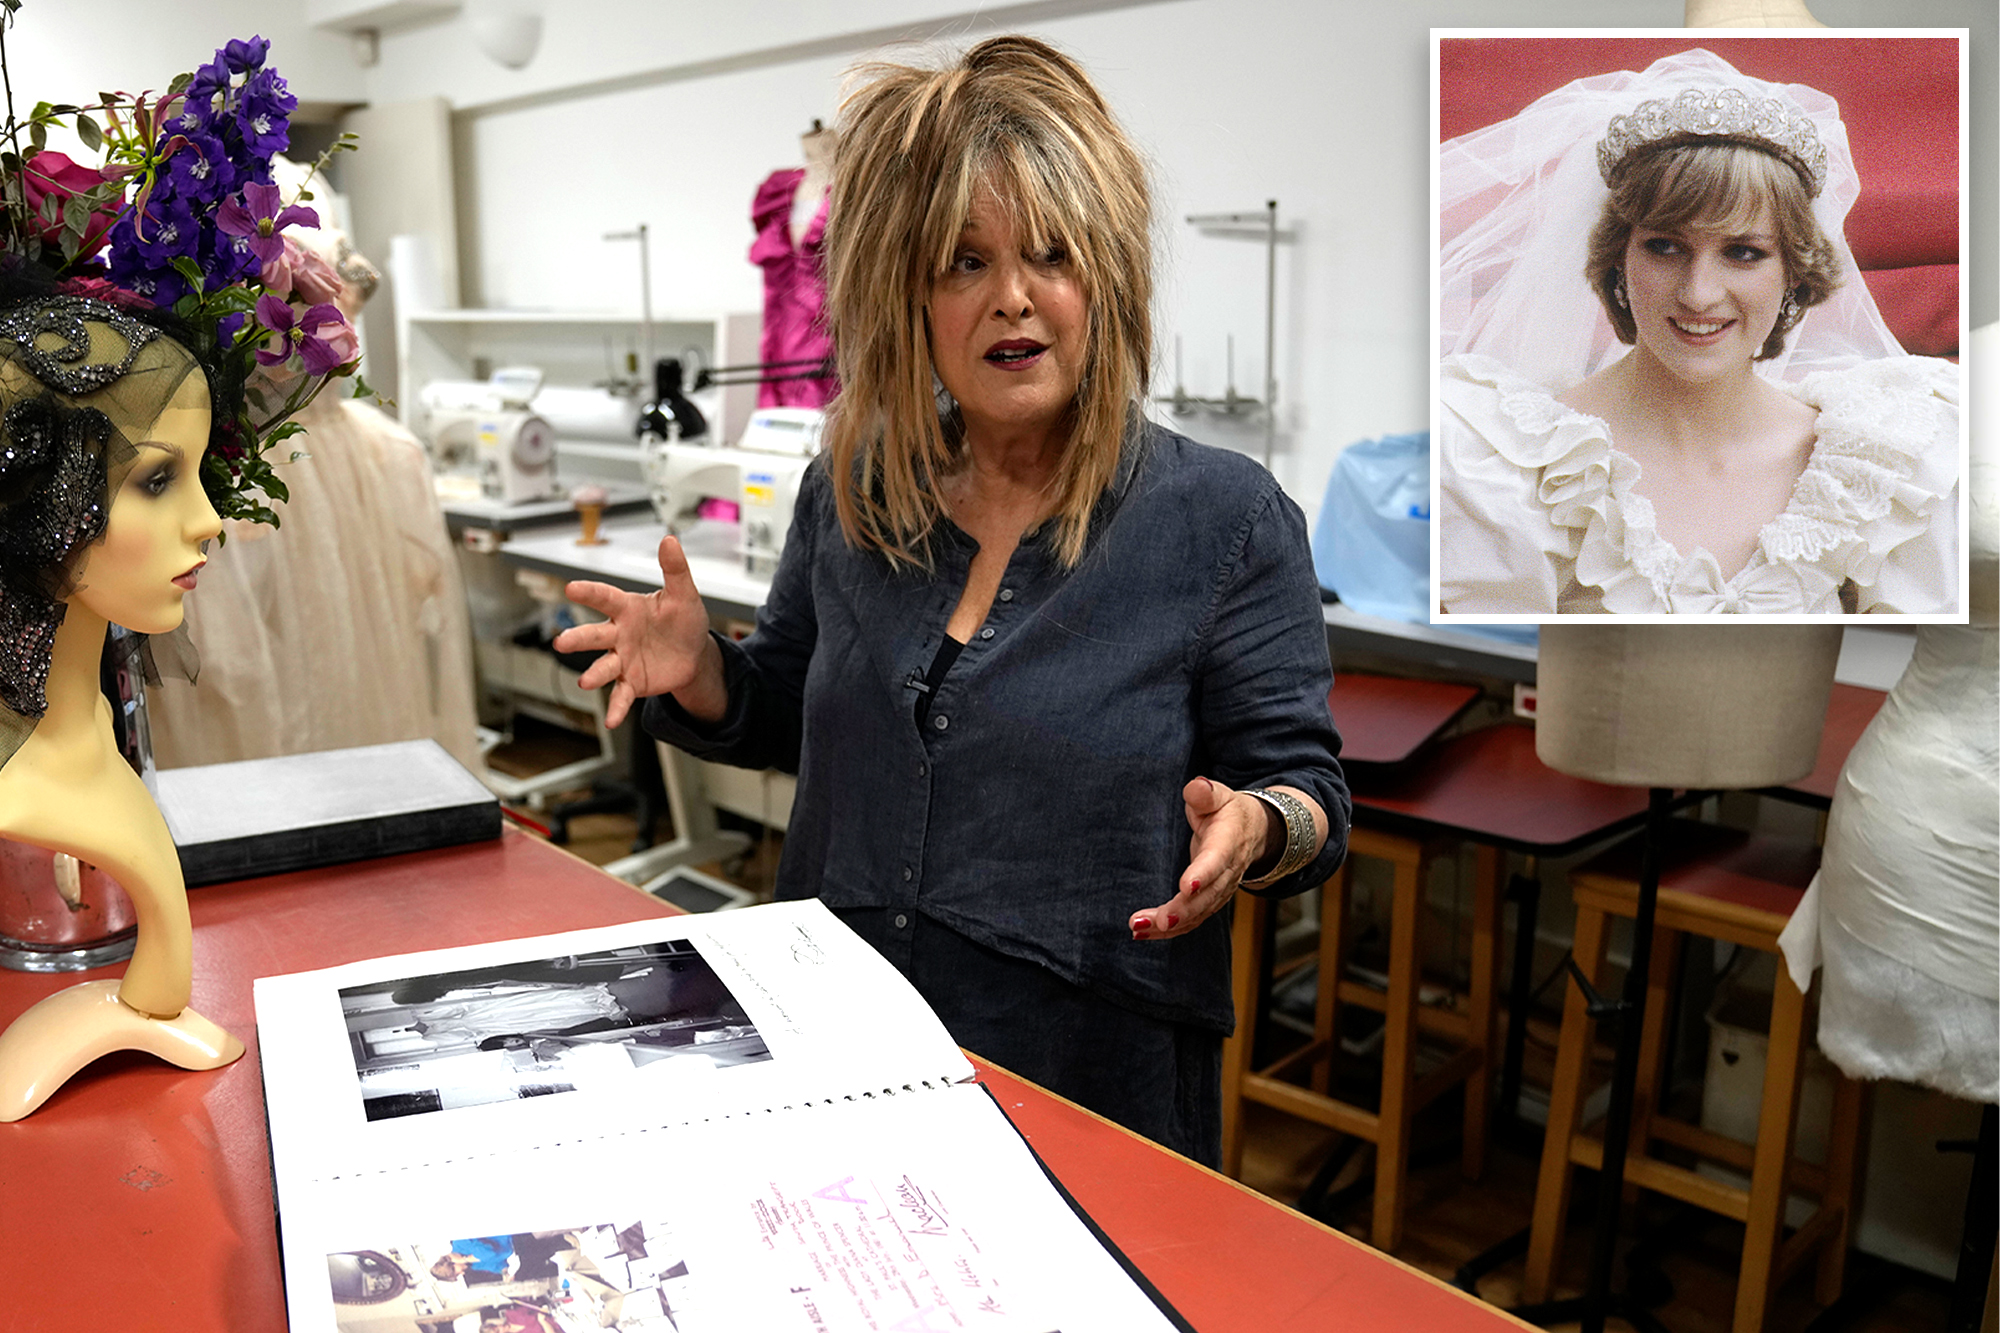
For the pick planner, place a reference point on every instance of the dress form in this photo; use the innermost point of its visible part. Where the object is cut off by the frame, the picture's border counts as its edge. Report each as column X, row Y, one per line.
column 68, row 789
column 1749, row 14
column 816, row 150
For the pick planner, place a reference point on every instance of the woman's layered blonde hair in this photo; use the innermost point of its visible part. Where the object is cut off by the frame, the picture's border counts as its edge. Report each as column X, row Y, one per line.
column 1015, row 116
column 1719, row 186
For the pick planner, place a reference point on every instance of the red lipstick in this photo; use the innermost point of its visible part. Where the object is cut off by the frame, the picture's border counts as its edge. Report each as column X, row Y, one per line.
column 1015, row 353
column 185, row 582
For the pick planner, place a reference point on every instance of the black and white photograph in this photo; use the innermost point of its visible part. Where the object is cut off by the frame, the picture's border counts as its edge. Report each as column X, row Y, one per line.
column 539, row 1027
column 626, row 1276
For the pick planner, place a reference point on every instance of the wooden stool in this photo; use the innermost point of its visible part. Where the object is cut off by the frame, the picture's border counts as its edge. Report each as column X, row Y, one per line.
column 1403, row 1093
column 1717, row 884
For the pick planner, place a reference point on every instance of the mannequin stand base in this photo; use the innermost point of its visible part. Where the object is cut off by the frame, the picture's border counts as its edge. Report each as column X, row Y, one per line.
column 57, row 1036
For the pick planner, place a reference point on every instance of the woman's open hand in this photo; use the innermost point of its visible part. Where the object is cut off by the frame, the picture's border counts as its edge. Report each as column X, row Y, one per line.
column 653, row 643
column 1231, row 832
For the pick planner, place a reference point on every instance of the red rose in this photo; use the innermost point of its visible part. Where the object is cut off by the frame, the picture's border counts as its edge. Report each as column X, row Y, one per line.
column 48, row 173
column 98, row 289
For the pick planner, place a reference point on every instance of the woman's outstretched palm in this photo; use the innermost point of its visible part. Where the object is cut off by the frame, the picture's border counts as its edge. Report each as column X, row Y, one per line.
column 653, row 643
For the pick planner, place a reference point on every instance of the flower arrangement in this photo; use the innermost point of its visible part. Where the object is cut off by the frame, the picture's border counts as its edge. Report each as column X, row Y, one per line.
column 181, row 213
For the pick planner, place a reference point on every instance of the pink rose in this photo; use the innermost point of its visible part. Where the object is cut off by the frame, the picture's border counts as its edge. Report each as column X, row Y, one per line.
column 297, row 271
column 341, row 340
column 48, row 173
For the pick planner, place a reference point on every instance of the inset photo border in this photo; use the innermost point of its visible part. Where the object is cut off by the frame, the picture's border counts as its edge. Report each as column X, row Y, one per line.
column 1725, row 382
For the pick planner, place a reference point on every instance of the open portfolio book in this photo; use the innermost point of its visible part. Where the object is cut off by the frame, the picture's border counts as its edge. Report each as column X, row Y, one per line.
column 742, row 1121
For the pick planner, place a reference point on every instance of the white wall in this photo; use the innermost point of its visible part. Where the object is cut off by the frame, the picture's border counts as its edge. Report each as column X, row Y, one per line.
column 670, row 112
column 69, row 50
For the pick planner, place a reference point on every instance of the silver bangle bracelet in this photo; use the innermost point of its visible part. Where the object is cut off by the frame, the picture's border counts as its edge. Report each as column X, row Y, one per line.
column 1301, row 836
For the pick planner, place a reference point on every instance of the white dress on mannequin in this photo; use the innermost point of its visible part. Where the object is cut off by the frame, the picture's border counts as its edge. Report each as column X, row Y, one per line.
column 1904, row 916
column 347, row 625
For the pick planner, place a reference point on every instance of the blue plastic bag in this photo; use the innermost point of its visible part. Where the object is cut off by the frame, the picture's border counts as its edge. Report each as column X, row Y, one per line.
column 1372, row 544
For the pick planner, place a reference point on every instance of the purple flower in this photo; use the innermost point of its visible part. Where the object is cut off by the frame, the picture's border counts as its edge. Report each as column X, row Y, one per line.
column 263, row 113
column 206, row 95
column 241, row 57
column 259, row 220
column 168, row 230
column 321, row 336
column 200, row 168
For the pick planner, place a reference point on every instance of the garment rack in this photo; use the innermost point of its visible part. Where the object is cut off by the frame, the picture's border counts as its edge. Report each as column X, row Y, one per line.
column 1262, row 224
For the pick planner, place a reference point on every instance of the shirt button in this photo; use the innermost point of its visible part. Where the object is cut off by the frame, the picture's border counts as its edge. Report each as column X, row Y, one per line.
column 907, row 874
column 902, row 921
column 922, row 768
column 1006, row 594
column 940, row 721
column 986, row 633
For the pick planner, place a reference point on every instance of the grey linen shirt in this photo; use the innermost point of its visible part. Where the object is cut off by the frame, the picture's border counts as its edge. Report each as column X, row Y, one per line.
column 1039, row 806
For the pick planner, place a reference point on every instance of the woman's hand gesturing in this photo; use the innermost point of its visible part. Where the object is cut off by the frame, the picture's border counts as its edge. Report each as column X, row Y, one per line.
column 653, row 643
column 1232, row 831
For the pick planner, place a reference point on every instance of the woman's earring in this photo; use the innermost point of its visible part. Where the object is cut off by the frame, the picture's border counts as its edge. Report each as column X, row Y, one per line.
column 1618, row 290
column 1788, row 311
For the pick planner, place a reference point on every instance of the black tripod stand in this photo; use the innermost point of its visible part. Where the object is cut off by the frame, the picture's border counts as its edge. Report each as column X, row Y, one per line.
column 1624, row 1016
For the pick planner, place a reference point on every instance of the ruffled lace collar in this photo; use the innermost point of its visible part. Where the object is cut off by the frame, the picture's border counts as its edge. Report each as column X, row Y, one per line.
column 1852, row 503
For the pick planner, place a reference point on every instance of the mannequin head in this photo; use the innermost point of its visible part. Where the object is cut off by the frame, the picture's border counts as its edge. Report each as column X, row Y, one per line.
column 159, row 520
column 92, row 398
column 1708, row 190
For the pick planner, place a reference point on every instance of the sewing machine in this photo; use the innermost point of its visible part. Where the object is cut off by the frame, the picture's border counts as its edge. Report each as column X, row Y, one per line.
column 760, row 476
column 486, row 429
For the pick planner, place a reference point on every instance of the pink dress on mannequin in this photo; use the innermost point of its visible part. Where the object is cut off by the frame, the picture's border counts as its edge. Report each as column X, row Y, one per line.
column 794, row 292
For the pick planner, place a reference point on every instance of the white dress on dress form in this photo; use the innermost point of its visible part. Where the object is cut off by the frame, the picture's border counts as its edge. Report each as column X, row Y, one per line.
column 1539, row 512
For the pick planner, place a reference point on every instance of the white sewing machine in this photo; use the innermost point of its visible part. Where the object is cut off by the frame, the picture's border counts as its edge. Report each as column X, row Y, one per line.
column 486, row 429
column 760, row 476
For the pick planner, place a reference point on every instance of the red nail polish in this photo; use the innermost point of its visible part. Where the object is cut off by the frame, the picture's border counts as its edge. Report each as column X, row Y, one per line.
column 1194, row 886
column 1172, row 921
column 1141, row 923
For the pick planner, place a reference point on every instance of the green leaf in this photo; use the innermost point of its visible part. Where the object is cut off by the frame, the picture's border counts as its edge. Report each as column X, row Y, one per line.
column 86, row 130
column 180, row 83
column 187, row 306
column 76, row 215
column 71, row 244
column 61, row 109
column 51, row 208
column 305, row 196
column 190, row 270
column 38, row 135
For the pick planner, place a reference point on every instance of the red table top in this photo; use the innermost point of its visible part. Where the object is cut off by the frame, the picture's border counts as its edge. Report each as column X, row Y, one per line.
column 1386, row 719
column 1489, row 785
column 142, row 1193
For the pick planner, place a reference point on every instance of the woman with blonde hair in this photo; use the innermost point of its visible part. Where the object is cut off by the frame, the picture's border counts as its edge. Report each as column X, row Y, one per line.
column 1764, row 447
column 1053, row 678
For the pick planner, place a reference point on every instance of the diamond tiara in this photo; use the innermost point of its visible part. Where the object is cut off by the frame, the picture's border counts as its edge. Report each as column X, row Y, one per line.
column 1716, row 113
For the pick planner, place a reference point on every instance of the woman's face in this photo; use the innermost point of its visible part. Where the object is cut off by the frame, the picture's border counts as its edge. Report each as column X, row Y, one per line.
column 1008, row 330
column 1704, row 300
column 137, row 575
